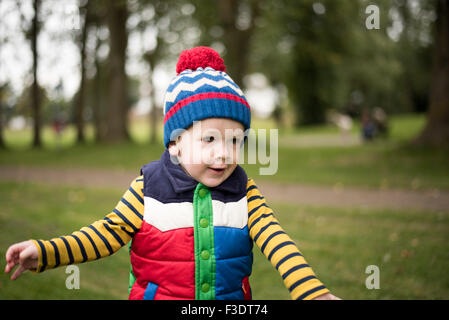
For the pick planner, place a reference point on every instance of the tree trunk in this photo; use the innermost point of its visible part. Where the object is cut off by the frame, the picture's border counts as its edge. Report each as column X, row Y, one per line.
column 154, row 113
column 99, row 116
column 436, row 131
column 35, row 98
column 117, row 96
column 80, row 97
column 2, row 141
column 150, row 58
column 97, row 17
column 236, row 41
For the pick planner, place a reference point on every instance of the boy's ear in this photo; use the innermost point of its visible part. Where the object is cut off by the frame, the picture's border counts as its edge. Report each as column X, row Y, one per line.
column 174, row 151
column 173, row 148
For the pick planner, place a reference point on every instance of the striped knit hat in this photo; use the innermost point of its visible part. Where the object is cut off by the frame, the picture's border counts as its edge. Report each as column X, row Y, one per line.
column 201, row 90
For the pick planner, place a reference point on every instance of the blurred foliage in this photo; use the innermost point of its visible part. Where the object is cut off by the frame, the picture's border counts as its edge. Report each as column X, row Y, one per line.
column 327, row 57
column 320, row 51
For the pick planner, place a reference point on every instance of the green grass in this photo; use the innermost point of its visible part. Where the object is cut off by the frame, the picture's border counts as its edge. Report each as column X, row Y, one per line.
column 49, row 212
column 383, row 164
column 373, row 166
column 410, row 247
column 386, row 163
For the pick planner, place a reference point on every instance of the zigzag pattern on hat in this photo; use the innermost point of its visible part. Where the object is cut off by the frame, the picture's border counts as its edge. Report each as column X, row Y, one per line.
column 191, row 74
column 194, row 84
column 171, row 96
column 195, row 76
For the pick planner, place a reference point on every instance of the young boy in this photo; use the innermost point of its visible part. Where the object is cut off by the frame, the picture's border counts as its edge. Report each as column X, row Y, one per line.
column 193, row 215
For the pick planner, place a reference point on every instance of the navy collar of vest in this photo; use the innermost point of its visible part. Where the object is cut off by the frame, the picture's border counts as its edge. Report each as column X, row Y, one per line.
column 182, row 182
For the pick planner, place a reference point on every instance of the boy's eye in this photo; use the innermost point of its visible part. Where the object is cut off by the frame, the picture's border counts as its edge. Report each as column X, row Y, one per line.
column 208, row 139
column 236, row 141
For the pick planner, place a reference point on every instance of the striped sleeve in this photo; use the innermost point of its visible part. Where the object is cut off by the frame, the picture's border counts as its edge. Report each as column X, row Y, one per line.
column 279, row 248
column 100, row 239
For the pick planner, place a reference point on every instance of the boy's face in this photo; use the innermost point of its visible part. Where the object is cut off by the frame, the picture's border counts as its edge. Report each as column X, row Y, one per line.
column 208, row 151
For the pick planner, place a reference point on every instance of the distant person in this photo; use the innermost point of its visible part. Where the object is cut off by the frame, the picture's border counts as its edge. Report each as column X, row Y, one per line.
column 58, row 127
column 192, row 225
column 368, row 126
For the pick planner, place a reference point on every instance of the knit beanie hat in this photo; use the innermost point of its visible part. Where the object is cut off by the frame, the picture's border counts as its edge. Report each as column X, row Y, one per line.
column 201, row 90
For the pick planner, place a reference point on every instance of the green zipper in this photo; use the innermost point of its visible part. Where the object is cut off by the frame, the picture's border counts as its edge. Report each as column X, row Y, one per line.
column 203, row 227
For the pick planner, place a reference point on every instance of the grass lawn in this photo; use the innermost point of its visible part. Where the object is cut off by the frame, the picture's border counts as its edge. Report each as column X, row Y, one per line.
column 409, row 247
column 383, row 164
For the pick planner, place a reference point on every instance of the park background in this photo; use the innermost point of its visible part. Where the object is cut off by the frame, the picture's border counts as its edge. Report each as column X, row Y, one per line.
column 360, row 96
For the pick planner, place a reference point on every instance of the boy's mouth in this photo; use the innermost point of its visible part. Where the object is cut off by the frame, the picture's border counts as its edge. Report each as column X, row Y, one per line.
column 217, row 170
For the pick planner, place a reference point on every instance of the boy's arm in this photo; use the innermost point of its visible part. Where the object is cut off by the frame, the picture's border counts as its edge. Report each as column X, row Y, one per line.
column 100, row 239
column 278, row 247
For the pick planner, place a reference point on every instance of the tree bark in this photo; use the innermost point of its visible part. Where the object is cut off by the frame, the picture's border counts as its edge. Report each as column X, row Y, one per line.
column 2, row 141
column 80, row 100
column 98, row 105
column 150, row 58
column 35, row 98
column 154, row 112
column 117, row 111
column 436, row 131
column 236, row 41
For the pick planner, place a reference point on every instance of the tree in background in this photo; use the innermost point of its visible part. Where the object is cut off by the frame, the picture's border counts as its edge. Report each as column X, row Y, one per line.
column 320, row 51
column 165, row 27
column 436, row 131
column 96, row 85
column 2, row 89
column 31, row 31
column 230, row 24
column 35, row 100
column 237, row 18
column 154, row 15
column 414, row 50
column 328, row 59
column 117, row 106
column 305, row 46
column 80, row 101
column 152, row 55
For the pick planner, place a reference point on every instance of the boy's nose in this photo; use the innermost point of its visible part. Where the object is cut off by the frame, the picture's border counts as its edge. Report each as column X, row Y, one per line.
column 222, row 152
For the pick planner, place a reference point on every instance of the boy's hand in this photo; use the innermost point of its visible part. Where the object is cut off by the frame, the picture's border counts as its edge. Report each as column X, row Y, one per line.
column 327, row 296
column 24, row 254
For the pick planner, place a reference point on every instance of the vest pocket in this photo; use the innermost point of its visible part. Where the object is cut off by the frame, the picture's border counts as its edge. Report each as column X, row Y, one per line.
column 150, row 291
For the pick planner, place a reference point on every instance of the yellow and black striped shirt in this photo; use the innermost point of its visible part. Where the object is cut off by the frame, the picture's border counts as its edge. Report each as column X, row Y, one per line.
column 106, row 236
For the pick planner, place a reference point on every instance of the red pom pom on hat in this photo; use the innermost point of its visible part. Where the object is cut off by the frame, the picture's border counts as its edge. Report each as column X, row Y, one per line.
column 199, row 57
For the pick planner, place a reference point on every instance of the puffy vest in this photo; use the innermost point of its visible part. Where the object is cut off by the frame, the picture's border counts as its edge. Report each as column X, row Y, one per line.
column 194, row 241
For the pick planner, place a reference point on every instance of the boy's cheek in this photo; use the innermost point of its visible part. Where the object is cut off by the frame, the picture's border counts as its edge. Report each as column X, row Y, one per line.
column 196, row 153
column 206, row 154
column 236, row 154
